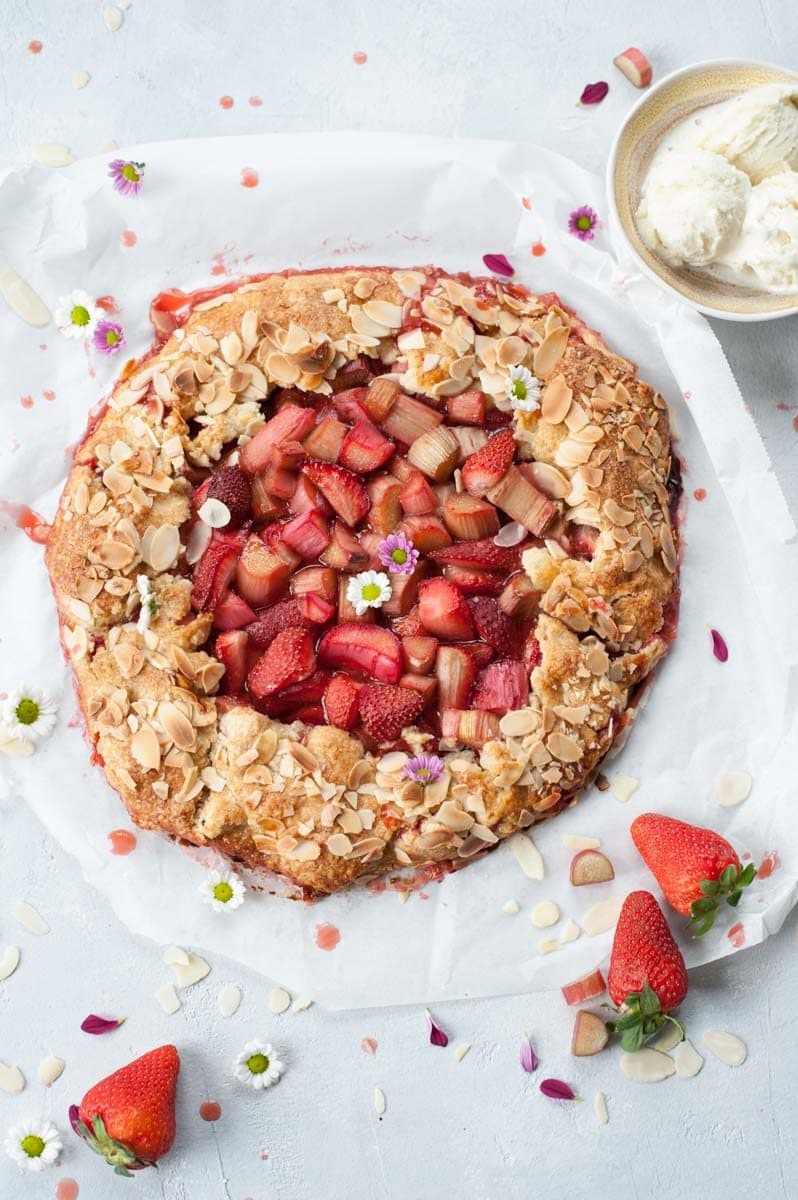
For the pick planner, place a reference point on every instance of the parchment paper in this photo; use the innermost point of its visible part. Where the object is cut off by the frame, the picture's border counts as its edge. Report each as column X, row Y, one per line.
column 340, row 199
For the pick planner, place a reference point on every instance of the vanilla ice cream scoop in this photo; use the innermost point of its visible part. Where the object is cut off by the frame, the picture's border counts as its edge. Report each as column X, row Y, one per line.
column 757, row 131
column 766, row 251
column 692, row 207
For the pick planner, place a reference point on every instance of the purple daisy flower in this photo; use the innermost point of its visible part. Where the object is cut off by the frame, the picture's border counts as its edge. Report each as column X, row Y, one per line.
column 424, row 768
column 582, row 222
column 108, row 337
column 398, row 554
column 127, row 176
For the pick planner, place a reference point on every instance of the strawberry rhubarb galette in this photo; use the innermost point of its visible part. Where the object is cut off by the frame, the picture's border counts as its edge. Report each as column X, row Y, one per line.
column 360, row 570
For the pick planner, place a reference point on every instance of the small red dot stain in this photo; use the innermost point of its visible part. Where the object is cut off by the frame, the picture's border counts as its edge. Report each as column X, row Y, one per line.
column 42, row 345
column 249, row 177
column 538, row 249
column 108, row 304
column 687, row 395
column 27, row 401
column 122, row 842
column 226, row 101
column 360, row 57
column 700, row 494
column 736, row 935
column 48, row 394
column 210, row 1110
column 327, row 936
column 255, row 101
column 128, row 238
column 67, row 1189
column 795, row 423
column 770, row 863
column 35, row 47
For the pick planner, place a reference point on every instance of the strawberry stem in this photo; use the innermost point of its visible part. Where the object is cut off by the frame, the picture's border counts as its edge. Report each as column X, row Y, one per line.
column 115, row 1153
column 641, row 1018
column 729, row 887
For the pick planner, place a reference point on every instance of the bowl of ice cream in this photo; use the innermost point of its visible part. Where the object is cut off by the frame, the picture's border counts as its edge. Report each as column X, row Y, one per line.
column 702, row 186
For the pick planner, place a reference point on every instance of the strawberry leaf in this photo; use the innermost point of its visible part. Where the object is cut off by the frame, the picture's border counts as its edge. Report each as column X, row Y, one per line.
column 729, row 887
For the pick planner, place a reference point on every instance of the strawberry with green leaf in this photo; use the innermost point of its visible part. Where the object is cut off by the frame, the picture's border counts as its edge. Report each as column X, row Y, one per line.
column 696, row 868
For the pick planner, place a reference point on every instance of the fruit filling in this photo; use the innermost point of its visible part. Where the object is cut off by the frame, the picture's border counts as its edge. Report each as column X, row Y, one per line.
column 364, row 564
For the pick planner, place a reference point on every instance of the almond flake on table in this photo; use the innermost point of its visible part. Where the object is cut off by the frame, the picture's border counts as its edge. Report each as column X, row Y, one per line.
column 544, row 914
column 50, row 1069
column 186, row 975
column 12, row 1080
column 688, row 1061
column 279, row 1000
column 301, row 1004
column 726, row 1046
column 669, row 1036
column 602, row 916
column 175, row 955
column 80, row 80
column 548, row 945
column 511, row 907
column 53, row 154
column 527, row 855
column 113, row 18
column 600, row 1108
column 168, row 999
column 623, row 787
column 29, row 919
column 647, row 1066
column 461, row 1051
column 229, row 1000
column 570, row 932
column 379, row 1101
column 9, row 961
column 21, row 299
column 575, row 841
column 732, row 788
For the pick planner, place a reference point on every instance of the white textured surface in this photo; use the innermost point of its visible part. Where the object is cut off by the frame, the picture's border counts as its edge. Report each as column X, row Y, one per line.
column 478, row 1127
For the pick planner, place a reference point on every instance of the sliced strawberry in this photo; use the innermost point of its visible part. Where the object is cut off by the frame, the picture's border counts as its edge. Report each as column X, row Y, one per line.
column 272, row 537
column 494, row 626
column 425, row 685
column 480, row 553
column 345, row 552
column 521, row 500
column 443, row 611
column 386, row 711
column 471, row 581
column 231, row 650
column 308, row 534
column 471, row 727
column 289, row 659
column 503, row 685
column 386, row 512
column 380, row 398
column 306, row 496
column 349, row 404
column 365, row 449
column 417, row 496
column 340, row 701
column 486, row 468
column 309, row 714
column 456, row 672
column 316, row 608
column 326, row 439
column 261, row 577
column 419, row 653
column 533, row 655
column 467, row 409
column 214, row 571
column 427, row 533
column 519, row 597
column 286, row 614
column 469, row 518
column 232, row 613
column 374, row 651
column 291, row 422
column 409, row 419
column 231, row 486
column 410, row 625
column 307, row 691
column 321, row 580
column 341, row 489
column 265, row 507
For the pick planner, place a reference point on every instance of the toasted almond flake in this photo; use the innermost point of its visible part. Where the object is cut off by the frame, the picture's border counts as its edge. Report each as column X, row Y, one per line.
column 379, row 1101
column 53, row 154
column 175, row 955
column 113, row 18
column 511, row 907
column 229, row 1000
column 624, row 786
column 214, row 513
column 527, row 855
column 544, row 914
column 647, row 1066
column 600, row 1108
column 575, row 841
column 164, row 547
column 301, row 1004
column 602, row 916
column 145, row 748
column 732, row 788
column 394, row 761
column 50, row 1069
column 23, row 300
column 12, row 1080
column 9, row 961
column 279, row 1000
column 461, row 1051
column 177, row 725
column 384, row 313
column 339, row 845
column 548, row 945
column 564, row 747
column 669, row 1036
column 198, row 541
column 726, row 1046
column 168, row 998
column 80, row 79
column 570, row 932
column 195, row 970
column 518, row 722
column 29, row 918
column 688, row 1061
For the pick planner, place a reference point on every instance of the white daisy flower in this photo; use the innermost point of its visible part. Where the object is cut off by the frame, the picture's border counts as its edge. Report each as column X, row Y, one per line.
column 34, row 1145
column 258, row 1066
column 223, row 890
column 28, row 713
column 369, row 589
column 76, row 315
column 149, row 604
column 523, row 390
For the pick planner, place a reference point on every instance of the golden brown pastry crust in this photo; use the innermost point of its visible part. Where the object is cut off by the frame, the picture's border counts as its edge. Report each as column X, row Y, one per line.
column 308, row 802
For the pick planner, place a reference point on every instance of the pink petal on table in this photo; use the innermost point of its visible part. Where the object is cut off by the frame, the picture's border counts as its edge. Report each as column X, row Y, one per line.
column 594, row 93
column 498, row 264
column 95, row 1024
column 368, row 1045
column 437, row 1036
column 527, row 1057
column 719, row 647
column 555, row 1089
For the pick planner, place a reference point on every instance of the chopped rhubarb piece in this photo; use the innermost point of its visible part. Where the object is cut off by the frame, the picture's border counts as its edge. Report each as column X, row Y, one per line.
column 417, row 496
column 517, row 497
column 502, row 686
column 583, row 989
column 345, row 552
column 380, row 397
column 472, row 581
column 467, row 409
column 470, row 440
column 365, row 449
column 494, row 626
column 402, row 469
column 532, row 656
column 443, row 611
column 635, row 66
column 272, row 537
column 326, row 439
column 231, row 650
column 419, row 653
column 409, row 626
column 409, row 419
column 385, row 711
column 481, row 652
column 306, row 496
column 519, row 597
column 289, row 454
column 321, row 580
column 488, row 466
column 456, row 672
column 308, row 534
column 232, row 613
column 436, row 453
column 264, row 506
column 426, row 532
column 289, row 659
column 341, row 489
column 286, row 614
column 370, row 541
column 471, row 727
column 590, row 1034
column 468, row 517
column 356, row 373
column 590, row 866
column 261, row 576
column 215, row 569
column 307, row 691
column 376, row 652
column 386, row 511
column 340, row 701
column 231, row 486
column 425, row 685
column 349, row 404
column 278, row 481
column 483, row 553
column 290, row 422
column 404, row 592
column 316, row 608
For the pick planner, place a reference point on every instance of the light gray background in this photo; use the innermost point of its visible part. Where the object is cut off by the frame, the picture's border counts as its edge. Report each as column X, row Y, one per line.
column 479, row 1129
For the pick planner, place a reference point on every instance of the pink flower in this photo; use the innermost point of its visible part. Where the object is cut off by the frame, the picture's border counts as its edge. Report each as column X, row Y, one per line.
column 398, row 554
column 108, row 337
column 424, row 768
column 582, row 222
column 127, row 176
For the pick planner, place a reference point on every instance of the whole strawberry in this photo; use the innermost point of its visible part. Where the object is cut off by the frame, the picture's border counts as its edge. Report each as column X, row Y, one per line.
column 647, row 976
column 231, row 486
column 696, row 868
column 129, row 1117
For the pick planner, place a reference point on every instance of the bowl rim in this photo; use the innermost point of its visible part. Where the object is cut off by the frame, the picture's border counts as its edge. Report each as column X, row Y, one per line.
column 616, row 223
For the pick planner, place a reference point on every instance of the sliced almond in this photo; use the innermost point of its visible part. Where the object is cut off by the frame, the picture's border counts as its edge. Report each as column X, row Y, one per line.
column 688, row 1061
column 602, row 916
column 576, row 841
column 301, row 1004
column 50, row 1069
column 9, row 961
column 732, row 788
column 53, row 154
column 168, row 998
column 23, row 300
column 214, row 513
column 175, row 954
column 461, row 1051
column 177, row 725
column 29, row 919
column 647, row 1066
column 570, row 932
column 669, row 1036
column 527, row 855
column 549, row 480
column 279, row 1000
column 623, row 787
column 550, row 351
column 555, row 402
column 229, row 1000
column 164, row 548
column 564, row 747
column 600, row 1108
column 339, row 845
column 511, row 907
column 145, row 748
column 726, row 1046
column 192, row 972
column 12, row 1080
column 379, row 1101
column 545, row 914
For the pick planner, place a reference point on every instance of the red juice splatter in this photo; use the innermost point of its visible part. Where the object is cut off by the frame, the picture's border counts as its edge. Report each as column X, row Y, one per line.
column 67, row 1189
column 770, row 863
column 27, row 401
column 122, row 842
column 736, row 935
column 538, row 249
column 795, row 423
column 48, row 394
column 687, row 395
column 255, row 101
column 31, row 524
column 527, row 203
column 369, row 1045
column 210, row 1110
column 128, row 238
column 226, row 102
column 108, row 304
column 700, row 494
column 42, row 345
column 249, row 177
column 359, row 58
column 327, row 936
column 35, row 47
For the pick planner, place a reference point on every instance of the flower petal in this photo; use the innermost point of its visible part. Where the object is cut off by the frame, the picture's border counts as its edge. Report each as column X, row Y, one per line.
column 498, row 264
column 556, row 1089
column 719, row 647
column 95, row 1024
column 527, row 1057
column 437, row 1036
column 74, row 1118
column 594, row 93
